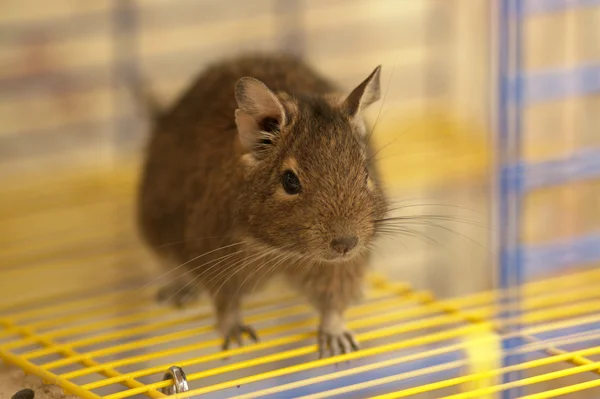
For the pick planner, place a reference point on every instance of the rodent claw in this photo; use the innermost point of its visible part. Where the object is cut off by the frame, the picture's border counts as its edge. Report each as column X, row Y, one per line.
column 353, row 342
column 226, row 344
column 336, row 344
column 344, row 344
column 322, row 345
column 235, row 334
column 330, row 347
column 251, row 332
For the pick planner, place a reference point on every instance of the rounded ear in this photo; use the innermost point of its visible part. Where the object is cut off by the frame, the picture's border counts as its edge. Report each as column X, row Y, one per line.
column 364, row 94
column 259, row 114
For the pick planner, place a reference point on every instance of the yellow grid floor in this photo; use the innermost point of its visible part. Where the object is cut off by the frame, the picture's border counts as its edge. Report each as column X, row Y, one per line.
column 72, row 312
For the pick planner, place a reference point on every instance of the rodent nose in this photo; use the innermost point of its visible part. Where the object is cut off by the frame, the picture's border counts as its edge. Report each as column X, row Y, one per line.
column 343, row 245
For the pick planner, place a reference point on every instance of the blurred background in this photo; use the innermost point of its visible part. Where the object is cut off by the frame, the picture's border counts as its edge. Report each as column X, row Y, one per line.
column 64, row 103
column 446, row 130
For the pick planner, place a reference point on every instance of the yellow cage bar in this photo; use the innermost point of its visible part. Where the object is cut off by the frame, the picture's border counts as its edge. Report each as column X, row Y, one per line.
column 65, row 337
column 77, row 287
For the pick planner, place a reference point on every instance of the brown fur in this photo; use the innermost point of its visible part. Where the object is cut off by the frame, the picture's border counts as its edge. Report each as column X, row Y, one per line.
column 203, row 189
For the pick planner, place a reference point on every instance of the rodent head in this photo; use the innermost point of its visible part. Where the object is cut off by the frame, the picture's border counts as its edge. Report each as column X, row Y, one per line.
column 308, row 185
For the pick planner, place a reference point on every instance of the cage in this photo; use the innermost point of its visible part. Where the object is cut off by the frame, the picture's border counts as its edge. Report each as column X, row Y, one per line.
column 487, row 131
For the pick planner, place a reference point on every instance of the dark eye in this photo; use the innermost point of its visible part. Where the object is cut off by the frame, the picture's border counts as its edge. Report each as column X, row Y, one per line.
column 290, row 183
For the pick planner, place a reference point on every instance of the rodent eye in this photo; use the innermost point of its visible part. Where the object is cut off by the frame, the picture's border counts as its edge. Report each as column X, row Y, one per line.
column 290, row 183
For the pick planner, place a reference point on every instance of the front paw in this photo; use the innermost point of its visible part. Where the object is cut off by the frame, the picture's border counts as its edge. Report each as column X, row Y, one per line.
column 234, row 333
column 333, row 343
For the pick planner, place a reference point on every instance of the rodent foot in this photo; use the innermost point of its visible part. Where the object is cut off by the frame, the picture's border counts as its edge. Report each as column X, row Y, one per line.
column 235, row 334
column 332, row 344
column 177, row 295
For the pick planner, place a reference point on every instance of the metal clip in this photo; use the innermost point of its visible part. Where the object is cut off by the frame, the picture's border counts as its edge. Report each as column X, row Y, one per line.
column 180, row 383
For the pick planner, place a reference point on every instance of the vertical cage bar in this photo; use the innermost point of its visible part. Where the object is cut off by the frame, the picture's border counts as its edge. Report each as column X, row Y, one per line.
column 510, row 184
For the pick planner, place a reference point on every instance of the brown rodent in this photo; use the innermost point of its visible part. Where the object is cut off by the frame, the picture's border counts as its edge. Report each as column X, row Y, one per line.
column 262, row 168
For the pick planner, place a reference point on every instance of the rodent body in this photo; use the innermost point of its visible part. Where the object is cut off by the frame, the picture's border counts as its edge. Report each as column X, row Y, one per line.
column 262, row 168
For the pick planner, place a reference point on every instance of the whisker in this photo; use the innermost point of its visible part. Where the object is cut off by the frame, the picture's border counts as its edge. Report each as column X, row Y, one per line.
column 241, row 286
column 372, row 156
column 218, row 260
column 284, row 261
column 432, row 224
column 167, row 244
column 196, row 280
column 224, row 257
column 244, row 260
column 398, row 202
column 447, row 218
column 414, row 233
column 183, row 264
column 256, row 257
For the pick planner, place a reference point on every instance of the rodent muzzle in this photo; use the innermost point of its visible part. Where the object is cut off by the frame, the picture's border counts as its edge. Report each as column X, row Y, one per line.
column 343, row 245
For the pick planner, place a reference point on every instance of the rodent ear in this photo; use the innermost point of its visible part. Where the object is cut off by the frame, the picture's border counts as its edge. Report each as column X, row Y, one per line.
column 364, row 94
column 259, row 115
